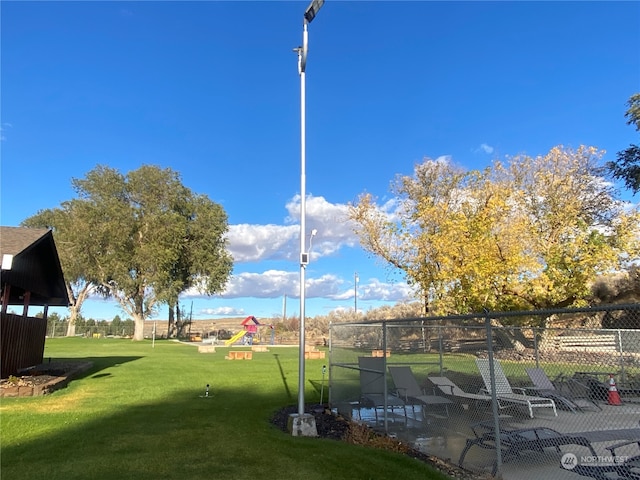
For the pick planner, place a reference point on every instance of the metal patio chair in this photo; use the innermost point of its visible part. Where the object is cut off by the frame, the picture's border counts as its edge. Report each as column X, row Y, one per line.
column 454, row 392
column 514, row 441
column 628, row 469
column 408, row 388
column 565, row 395
column 504, row 391
column 373, row 391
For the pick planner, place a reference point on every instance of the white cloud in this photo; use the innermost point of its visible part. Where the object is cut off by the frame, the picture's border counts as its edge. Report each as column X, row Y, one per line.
column 268, row 284
column 374, row 289
column 222, row 311
column 257, row 243
column 329, row 219
column 253, row 245
column 276, row 283
column 488, row 149
column 324, row 286
column 3, row 127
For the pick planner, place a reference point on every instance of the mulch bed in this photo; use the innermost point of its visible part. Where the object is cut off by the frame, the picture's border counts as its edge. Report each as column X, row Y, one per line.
column 336, row 427
column 42, row 379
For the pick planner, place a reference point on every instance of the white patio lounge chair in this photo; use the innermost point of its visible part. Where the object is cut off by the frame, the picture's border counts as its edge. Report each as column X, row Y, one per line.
column 450, row 389
column 505, row 393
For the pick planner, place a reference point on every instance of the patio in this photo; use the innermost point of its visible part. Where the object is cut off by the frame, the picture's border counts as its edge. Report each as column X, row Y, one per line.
column 437, row 373
column 446, row 437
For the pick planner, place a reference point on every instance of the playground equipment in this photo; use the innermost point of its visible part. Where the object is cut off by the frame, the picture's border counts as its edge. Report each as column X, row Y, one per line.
column 235, row 338
column 250, row 328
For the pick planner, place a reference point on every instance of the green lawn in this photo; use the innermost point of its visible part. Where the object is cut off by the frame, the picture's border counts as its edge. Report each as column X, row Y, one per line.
column 140, row 413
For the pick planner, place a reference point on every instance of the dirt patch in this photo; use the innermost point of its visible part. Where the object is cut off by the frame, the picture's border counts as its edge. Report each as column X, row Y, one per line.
column 336, row 427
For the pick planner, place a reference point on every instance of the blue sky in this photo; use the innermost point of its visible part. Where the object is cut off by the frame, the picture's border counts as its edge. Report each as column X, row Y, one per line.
column 211, row 90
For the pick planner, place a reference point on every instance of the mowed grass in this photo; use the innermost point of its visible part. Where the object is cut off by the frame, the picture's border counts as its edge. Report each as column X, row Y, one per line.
column 140, row 413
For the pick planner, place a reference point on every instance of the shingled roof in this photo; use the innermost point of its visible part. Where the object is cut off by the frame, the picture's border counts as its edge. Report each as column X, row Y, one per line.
column 35, row 267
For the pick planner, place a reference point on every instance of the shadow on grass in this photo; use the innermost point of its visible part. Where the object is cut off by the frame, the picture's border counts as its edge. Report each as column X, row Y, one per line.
column 190, row 437
column 320, row 386
column 181, row 436
column 283, row 376
column 163, row 428
column 97, row 364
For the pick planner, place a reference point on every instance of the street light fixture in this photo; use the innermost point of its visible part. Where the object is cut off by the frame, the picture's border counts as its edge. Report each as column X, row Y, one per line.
column 303, row 425
column 312, row 10
column 305, row 257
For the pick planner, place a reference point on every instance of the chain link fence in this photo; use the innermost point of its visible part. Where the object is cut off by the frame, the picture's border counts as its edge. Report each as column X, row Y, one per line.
column 552, row 393
column 59, row 329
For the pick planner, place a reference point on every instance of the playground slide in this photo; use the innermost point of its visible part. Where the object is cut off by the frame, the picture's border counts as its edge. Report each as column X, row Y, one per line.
column 235, row 338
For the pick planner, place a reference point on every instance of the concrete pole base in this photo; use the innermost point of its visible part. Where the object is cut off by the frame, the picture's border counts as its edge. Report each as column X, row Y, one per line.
column 302, row 425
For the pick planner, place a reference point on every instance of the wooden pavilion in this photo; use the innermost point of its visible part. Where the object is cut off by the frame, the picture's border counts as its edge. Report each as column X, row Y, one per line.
column 31, row 275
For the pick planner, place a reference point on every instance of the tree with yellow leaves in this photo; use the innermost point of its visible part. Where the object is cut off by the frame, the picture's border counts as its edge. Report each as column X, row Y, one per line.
column 527, row 233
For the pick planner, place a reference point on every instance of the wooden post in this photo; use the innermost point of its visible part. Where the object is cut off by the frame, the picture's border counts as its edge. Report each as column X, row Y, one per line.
column 5, row 297
column 27, row 300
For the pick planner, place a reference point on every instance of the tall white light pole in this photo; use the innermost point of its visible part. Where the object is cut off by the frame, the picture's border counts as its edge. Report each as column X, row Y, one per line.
column 309, row 14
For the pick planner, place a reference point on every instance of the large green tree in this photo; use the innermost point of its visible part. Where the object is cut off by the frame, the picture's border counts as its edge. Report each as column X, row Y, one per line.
column 70, row 234
column 148, row 238
column 626, row 167
column 526, row 233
